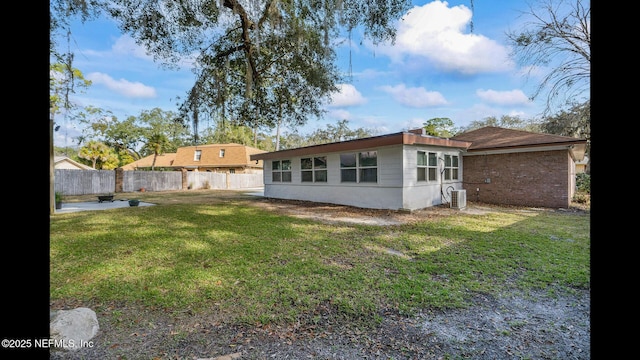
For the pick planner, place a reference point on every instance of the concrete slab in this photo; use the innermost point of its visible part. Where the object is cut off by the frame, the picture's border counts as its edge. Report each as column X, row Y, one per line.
column 95, row 205
column 119, row 203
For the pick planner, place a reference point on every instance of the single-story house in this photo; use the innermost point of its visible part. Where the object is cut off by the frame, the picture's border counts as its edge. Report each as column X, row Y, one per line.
column 399, row 171
column 224, row 158
column 63, row 162
column 411, row 170
column 515, row 167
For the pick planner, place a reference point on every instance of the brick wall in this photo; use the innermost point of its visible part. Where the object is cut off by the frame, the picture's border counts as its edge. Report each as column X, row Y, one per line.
column 539, row 179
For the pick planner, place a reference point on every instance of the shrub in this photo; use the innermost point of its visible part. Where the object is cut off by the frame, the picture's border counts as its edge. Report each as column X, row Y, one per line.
column 583, row 183
column 582, row 198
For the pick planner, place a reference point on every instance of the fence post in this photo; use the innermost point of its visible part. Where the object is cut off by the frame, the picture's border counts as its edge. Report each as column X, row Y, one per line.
column 119, row 179
column 185, row 180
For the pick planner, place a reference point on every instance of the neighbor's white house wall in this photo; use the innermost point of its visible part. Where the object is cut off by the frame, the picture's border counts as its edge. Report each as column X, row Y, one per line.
column 422, row 194
column 385, row 194
column 66, row 165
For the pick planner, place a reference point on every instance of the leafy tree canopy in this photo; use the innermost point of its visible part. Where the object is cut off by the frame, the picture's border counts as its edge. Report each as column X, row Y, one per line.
column 505, row 121
column 256, row 62
column 441, row 127
column 332, row 133
column 100, row 155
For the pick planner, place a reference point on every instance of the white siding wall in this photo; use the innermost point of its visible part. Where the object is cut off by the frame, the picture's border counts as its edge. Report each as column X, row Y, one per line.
column 385, row 194
column 397, row 187
column 422, row 194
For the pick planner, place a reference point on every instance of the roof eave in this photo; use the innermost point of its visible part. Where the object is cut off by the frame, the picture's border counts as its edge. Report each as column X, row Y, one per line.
column 401, row 138
column 576, row 148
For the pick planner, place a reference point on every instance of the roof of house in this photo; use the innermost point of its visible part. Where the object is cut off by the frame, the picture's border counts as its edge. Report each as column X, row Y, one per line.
column 496, row 138
column 235, row 155
column 163, row 160
column 412, row 137
column 59, row 162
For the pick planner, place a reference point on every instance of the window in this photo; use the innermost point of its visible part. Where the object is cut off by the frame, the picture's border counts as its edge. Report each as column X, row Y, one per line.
column 314, row 169
column 348, row 167
column 281, row 171
column 359, row 167
column 427, row 166
column 197, row 155
column 451, row 167
column 221, row 152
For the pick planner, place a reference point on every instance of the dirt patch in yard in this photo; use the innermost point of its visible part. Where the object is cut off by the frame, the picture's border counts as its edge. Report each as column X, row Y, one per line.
column 518, row 326
column 333, row 213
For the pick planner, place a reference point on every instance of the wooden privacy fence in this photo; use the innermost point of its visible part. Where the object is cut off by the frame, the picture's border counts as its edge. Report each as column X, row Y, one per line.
column 88, row 182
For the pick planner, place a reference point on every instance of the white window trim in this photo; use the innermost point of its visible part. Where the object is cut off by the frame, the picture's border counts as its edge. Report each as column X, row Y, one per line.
column 314, row 169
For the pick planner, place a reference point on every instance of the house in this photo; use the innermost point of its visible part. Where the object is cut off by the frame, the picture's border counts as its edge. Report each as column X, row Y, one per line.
column 227, row 158
column 411, row 170
column 399, row 171
column 63, row 162
column 581, row 166
column 163, row 162
column 514, row 167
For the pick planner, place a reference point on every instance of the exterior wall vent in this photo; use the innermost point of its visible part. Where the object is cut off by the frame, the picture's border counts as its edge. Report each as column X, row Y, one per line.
column 458, row 199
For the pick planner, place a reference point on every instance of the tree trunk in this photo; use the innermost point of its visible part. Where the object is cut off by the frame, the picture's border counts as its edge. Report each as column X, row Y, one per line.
column 52, row 172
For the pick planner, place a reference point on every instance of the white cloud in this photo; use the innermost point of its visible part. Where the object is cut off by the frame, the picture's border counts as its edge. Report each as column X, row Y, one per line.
column 512, row 97
column 437, row 33
column 125, row 45
column 122, row 86
column 339, row 114
column 348, row 95
column 414, row 97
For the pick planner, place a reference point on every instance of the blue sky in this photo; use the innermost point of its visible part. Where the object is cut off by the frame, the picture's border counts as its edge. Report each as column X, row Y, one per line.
column 438, row 67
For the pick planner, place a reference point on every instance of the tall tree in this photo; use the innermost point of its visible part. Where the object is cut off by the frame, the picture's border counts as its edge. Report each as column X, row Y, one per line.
column 64, row 80
column 156, row 143
column 100, row 155
column 227, row 133
column 257, row 60
column 505, row 121
column 125, row 137
column 441, row 127
column 557, row 38
column 332, row 133
column 575, row 122
column 61, row 13
column 158, row 121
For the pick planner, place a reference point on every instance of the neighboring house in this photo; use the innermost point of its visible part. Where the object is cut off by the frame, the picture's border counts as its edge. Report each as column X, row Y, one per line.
column 163, row 162
column 223, row 158
column 63, row 162
column 581, row 166
column 411, row 170
column 400, row 171
column 228, row 158
column 514, row 167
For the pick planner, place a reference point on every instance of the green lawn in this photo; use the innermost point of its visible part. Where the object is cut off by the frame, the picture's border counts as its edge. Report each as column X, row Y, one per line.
column 190, row 254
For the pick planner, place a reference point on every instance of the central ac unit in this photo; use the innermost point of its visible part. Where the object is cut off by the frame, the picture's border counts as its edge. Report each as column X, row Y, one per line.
column 458, row 199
